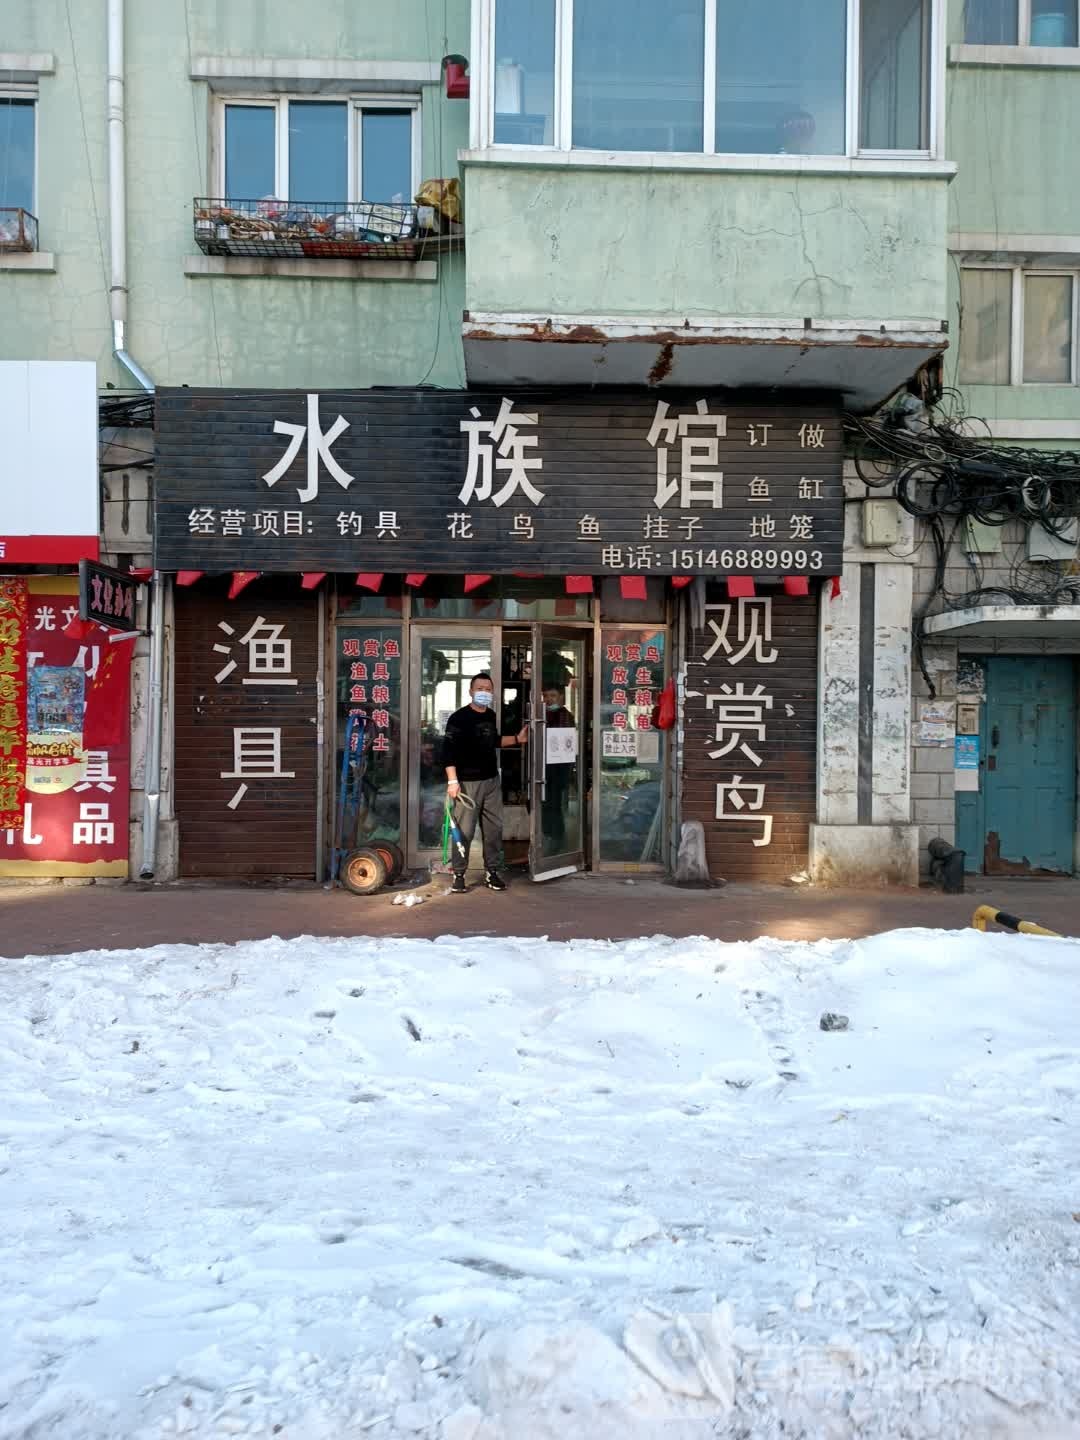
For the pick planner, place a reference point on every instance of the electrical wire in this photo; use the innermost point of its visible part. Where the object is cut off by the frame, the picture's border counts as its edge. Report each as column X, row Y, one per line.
column 947, row 475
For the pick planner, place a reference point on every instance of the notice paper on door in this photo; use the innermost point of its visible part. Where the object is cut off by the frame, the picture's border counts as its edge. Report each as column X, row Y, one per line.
column 619, row 745
column 562, row 746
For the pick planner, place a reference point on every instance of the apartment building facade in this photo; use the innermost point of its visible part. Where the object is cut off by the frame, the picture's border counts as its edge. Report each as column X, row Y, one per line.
column 520, row 337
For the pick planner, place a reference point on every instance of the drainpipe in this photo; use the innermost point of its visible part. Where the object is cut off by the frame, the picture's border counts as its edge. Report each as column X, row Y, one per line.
column 152, row 781
column 118, row 287
column 118, row 299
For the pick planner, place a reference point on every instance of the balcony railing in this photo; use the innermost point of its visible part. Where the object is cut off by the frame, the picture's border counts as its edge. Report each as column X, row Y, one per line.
column 280, row 230
column 18, row 230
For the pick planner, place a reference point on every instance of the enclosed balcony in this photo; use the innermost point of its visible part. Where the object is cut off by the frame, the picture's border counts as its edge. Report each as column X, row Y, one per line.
column 707, row 192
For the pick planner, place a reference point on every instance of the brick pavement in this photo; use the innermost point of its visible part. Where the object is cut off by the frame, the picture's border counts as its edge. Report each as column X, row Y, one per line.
column 56, row 919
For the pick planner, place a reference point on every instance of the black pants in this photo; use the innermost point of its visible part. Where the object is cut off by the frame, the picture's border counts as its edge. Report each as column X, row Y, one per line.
column 553, row 814
column 486, row 796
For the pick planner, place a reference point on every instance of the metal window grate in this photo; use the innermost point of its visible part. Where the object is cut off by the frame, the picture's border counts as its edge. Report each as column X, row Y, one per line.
column 276, row 229
column 18, row 230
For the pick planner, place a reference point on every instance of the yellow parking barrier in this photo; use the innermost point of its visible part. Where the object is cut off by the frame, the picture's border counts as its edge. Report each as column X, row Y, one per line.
column 987, row 915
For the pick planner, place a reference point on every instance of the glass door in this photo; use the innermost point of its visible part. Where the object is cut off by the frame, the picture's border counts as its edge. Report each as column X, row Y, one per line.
column 557, row 751
column 443, row 663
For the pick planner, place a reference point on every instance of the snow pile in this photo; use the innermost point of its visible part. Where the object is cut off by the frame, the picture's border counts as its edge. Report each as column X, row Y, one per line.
column 513, row 1190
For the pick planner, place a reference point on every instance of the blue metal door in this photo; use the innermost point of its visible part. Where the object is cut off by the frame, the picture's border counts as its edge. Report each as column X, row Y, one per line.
column 1028, row 775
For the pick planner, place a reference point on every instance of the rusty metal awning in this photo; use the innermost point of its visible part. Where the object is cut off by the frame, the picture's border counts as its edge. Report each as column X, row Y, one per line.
column 1008, row 622
column 865, row 361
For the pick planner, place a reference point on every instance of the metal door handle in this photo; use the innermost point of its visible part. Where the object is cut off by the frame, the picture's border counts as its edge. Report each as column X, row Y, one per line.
column 539, row 739
column 995, row 737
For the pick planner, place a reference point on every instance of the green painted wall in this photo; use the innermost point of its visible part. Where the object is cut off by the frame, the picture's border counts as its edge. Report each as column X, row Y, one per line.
column 225, row 330
column 1012, row 132
column 622, row 242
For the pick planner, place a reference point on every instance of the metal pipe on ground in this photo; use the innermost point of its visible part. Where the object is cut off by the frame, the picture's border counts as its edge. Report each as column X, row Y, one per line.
column 986, row 915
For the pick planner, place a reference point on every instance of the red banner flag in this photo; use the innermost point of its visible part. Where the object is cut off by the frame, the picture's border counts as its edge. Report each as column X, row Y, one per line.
column 13, row 617
column 241, row 580
column 107, row 717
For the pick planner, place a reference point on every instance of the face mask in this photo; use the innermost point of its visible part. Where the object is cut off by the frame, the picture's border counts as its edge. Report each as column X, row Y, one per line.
column 483, row 697
column 550, row 706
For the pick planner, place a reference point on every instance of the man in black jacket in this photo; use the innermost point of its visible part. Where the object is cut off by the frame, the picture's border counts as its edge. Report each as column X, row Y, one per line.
column 469, row 756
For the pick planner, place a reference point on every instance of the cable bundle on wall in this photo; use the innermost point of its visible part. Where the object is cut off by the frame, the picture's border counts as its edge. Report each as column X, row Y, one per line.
column 945, row 474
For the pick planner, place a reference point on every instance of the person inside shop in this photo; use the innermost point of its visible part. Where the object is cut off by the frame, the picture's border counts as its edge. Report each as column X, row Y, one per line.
column 557, row 777
column 473, row 786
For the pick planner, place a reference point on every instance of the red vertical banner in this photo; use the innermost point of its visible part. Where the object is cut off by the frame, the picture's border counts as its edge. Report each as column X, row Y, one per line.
column 77, row 756
column 13, row 610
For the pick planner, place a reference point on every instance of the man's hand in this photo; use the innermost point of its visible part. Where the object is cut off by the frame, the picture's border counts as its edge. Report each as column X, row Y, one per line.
column 523, row 735
column 453, row 789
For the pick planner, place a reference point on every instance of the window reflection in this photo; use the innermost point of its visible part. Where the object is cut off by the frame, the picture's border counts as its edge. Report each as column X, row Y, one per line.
column 780, row 77
column 631, row 790
column 1048, row 338
column 639, row 71
column 895, row 74
column 525, row 72
column 250, row 148
column 17, row 154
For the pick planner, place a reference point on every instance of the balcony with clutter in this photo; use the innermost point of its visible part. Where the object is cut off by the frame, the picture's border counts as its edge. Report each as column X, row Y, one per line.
column 269, row 229
column 18, row 231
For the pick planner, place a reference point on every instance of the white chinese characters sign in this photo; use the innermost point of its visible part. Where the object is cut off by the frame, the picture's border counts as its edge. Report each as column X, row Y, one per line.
column 750, row 716
column 593, row 482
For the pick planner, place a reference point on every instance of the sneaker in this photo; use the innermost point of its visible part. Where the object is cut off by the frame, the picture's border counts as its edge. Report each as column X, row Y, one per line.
column 458, row 887
column 494, row 881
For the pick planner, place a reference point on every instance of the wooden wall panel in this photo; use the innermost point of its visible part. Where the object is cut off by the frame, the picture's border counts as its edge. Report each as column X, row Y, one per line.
column 269, row 832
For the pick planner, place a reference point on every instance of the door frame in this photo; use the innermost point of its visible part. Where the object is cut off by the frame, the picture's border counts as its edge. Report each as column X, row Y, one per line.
column 571, row 862
column 419, row 631
column 976, row 802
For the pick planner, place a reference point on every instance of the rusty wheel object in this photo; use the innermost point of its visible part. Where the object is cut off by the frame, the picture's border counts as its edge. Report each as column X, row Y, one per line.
column 392, row 858
column 363, row 871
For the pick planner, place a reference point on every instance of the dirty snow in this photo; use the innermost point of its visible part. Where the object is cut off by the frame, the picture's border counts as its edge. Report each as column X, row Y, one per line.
column 512, row 1188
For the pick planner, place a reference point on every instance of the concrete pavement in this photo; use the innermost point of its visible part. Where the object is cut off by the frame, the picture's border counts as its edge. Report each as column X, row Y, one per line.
column 59, row 918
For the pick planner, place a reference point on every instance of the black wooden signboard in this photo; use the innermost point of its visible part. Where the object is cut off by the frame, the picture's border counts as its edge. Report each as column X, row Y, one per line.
column 564, row 482
column 749, row 762
column 107, row 596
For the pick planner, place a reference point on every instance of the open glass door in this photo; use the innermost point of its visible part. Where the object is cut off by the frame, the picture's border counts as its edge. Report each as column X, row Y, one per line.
column 443, row 662
column 557, row 751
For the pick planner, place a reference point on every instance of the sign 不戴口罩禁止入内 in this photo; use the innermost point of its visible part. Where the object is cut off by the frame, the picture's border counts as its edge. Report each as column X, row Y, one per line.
column 564, row 482
column 619, row 744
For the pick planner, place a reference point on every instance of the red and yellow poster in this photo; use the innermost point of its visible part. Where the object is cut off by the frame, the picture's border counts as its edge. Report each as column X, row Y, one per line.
column 13, row 609
column 73, row 708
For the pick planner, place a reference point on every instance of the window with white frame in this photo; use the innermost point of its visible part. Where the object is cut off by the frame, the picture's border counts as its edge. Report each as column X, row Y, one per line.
column 1017, row 326
column 1021, row 22
column 17, row 152
column 325, row 151
column 816, row 77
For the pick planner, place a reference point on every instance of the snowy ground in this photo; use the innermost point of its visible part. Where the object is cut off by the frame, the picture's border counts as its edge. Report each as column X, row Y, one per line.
column 515, row 1190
